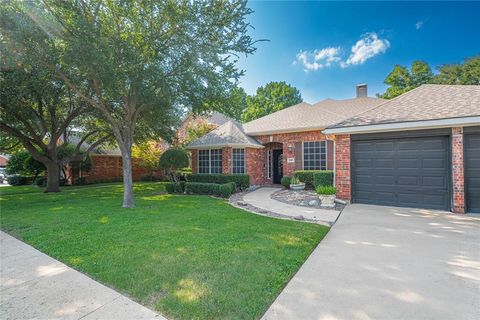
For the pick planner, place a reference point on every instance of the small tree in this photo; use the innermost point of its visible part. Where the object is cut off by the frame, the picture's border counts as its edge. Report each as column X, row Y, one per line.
column 23, row 163
column 148, row 154
column 197, row 130
column 172, row 160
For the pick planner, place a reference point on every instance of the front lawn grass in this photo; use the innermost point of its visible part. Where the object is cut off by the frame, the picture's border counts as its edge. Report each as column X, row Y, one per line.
column 188, row 257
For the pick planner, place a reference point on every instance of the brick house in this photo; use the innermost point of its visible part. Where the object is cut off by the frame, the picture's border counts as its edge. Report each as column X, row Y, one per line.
column 421, row 149
column 280, row 143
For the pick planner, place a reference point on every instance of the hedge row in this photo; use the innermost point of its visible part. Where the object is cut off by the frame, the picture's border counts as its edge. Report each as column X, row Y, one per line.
column 242, row 181
column 224, row 190
column 315, row 178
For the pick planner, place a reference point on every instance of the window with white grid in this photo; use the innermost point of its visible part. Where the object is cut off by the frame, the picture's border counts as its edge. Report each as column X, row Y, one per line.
column 210, row 161
column 315, row 155
column 238, row 159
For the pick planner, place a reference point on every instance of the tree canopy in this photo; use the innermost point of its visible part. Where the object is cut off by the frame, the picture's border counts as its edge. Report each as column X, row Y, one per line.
column 139, row 63
column 274, row 96
column 401, row 79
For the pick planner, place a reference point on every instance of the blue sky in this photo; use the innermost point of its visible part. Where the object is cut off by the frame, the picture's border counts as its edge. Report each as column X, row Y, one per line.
column 325, row 48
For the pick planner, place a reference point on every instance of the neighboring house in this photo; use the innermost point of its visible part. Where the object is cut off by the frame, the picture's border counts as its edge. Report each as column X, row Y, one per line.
column 277, row 144
column 421, row 149
column 106, row 164
column 3, row 160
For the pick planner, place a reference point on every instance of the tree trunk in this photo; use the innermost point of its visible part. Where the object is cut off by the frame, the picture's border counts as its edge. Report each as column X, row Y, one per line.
column 127, row 178
column 53, row 177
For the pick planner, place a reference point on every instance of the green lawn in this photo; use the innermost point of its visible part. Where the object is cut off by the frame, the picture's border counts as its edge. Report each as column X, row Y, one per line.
column 189, row 257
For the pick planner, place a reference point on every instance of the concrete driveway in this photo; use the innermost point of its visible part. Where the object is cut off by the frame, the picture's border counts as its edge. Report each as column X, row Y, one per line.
column 389, row 263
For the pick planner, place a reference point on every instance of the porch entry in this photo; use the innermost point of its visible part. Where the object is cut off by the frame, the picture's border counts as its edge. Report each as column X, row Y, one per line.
column 277, row 165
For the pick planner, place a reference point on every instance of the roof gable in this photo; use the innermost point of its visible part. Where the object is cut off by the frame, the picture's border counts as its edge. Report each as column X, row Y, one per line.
column 230, row 134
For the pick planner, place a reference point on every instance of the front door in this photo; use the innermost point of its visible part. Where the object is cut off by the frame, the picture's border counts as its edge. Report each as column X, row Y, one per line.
column 277, row 165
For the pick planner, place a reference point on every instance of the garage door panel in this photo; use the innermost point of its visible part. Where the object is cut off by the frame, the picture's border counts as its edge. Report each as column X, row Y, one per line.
column 434, row 163
column 384, row 163
column 405, row 163
column 472, row 172
column 409, row 172
column 436, row 182
column 384, row 146
column 408, row 180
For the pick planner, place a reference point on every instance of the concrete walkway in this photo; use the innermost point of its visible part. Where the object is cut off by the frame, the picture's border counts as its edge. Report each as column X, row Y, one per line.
column 389, row 263
column 36, row 286
column 260, row 198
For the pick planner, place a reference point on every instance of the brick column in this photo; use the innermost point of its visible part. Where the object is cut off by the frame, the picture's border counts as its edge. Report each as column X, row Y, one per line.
column 458, row 171
column 194, row 160
column 288, row 168
column 342, row 167
column 227, row 160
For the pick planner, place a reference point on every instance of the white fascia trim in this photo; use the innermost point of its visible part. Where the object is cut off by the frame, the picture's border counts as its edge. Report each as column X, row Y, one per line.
column 239, row 146
column 280, row 131
column 412, row 125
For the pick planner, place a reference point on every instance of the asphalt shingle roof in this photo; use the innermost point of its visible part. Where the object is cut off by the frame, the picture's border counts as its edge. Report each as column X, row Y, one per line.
column 427, row 102
column 229, row 134
column 304, row 116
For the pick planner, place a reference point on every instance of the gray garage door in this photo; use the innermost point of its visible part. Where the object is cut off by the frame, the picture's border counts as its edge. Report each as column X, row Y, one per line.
column 472, row 172
column 407, row 172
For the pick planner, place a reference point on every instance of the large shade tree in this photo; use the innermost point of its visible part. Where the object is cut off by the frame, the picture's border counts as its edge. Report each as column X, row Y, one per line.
column 36, row 111
column 402, row 79
column 139, row 63
column 269, row 99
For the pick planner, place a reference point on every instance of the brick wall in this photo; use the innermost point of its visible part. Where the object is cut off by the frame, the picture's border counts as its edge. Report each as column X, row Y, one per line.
column 109, row 168
column 458, row 171
column 255, row 165
column 342, row 167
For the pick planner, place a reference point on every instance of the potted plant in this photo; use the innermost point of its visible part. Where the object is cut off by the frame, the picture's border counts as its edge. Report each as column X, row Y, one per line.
column 327, row 195
column 296, row 184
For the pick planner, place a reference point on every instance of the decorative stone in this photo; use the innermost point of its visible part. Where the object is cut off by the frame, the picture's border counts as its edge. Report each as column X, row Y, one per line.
column 313, row 203
column 300, row 217
column 241, row 203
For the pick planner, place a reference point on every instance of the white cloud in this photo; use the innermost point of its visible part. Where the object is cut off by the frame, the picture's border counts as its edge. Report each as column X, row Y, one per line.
column 418, row 25
column 318, row 59
column 365, row 48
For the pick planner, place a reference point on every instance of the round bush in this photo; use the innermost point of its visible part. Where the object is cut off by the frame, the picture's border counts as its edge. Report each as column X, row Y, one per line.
column 286, row 181
column 173, row 159
column 17, row 180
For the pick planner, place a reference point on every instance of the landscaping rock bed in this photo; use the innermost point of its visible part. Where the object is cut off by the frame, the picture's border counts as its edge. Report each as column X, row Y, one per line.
column 301, row 198
column 237, row 201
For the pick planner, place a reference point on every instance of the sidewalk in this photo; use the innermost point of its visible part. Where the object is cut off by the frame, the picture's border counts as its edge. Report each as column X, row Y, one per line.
column 34, row 285
column 260, row 198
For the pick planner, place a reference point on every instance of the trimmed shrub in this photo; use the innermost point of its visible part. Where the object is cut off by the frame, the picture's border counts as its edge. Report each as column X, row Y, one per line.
column 323, row 178
column 286, row 181
column 199, row 187
column 307, row 177
column 326, row 190
column 40, row 181
column 224, row 190
column 172, row 187
column 241, row 180
column 17, row 180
